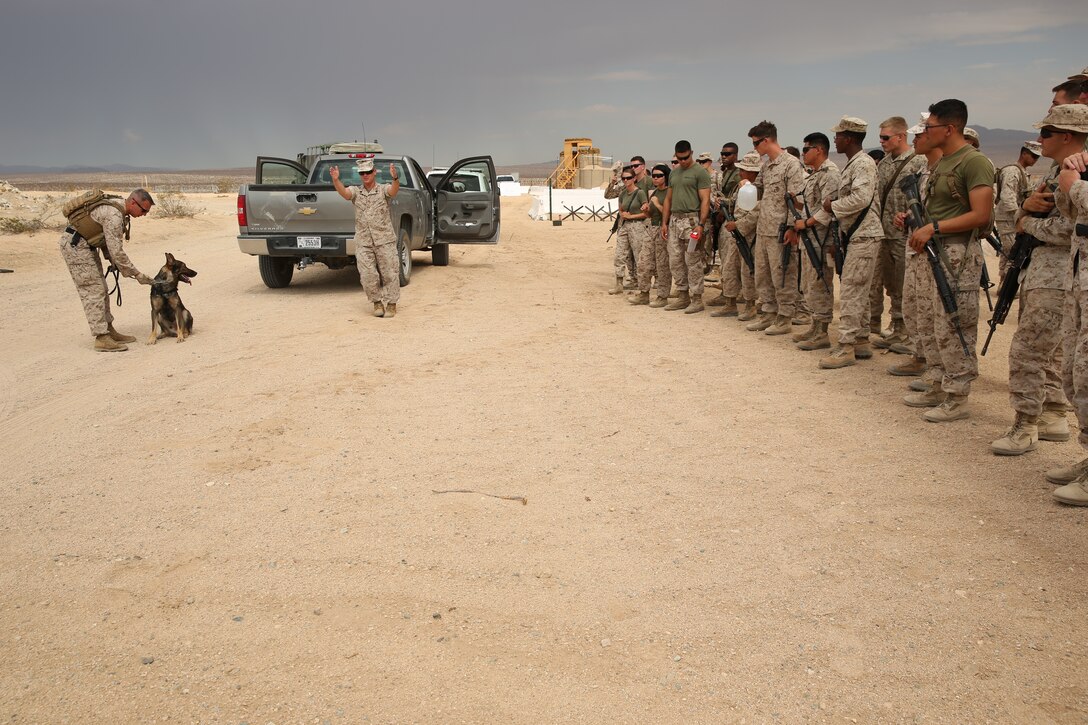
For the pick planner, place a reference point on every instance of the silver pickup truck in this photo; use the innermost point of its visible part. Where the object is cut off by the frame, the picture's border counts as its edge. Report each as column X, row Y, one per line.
column 293, row 216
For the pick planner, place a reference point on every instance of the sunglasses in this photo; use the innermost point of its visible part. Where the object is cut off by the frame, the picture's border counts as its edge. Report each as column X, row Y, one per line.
column 367, row 173
column 705, row 161
column 627, row 178
column 674, row 162
column 636, row 164
column 683, row 158
column 658, row 176
column 757, row 142
column 1048, row 132
column 806, row 149
column 729, row 153
column 885, row 138
column 926, row 127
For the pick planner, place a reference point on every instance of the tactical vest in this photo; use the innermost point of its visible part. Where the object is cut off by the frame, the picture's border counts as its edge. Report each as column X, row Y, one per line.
column 78, row 211
column 957, row 189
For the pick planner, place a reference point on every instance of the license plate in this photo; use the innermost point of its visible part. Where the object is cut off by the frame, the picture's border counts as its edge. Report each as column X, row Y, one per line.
column 309, row 242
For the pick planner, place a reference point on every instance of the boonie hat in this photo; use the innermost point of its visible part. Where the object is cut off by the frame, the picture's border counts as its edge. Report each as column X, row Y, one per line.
column 920, row 127
column 750, row 162
column 970, row 133
column 850, row 123
column 1083, row 75
column 1034, row 147
column 364, row 165
column 1069, row 117
column 705, row 156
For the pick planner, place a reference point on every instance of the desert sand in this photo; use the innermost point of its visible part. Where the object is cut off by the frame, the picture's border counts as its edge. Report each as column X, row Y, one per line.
column 244, row 527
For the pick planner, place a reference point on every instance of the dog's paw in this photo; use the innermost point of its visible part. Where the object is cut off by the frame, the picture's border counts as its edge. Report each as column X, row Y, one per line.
column 181, row 339
column 151, row 340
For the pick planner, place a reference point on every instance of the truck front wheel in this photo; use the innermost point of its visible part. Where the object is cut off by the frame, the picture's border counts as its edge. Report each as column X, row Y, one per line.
column 276, row 272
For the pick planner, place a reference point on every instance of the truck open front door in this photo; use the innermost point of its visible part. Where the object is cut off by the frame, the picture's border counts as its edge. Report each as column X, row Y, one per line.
column 466, row 203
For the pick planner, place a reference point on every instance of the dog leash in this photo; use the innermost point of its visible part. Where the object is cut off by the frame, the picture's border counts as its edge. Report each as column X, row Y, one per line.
column 116, row 283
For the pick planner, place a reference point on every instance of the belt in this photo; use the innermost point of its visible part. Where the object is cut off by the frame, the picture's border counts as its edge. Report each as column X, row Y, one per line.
column 1082, row 230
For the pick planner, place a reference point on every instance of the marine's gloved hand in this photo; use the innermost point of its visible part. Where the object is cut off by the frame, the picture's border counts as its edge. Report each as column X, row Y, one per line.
column 143, row 278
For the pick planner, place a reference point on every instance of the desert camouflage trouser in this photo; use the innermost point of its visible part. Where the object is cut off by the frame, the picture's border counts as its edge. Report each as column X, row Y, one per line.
column 857, row 279
column 1075, row 353
column 687, row 267
column 889, row 273
column 1035, row 354
column 778, row 297
column 653, row 261
column 918, row 315
column 628, row 245
column 85, row 266
column 946, row 352
column 819, row 298
column 738, row 281
column 379, row 272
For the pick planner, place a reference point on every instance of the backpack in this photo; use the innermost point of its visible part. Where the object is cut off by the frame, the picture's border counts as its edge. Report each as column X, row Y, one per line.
column 78, row 212
column 1001, row 181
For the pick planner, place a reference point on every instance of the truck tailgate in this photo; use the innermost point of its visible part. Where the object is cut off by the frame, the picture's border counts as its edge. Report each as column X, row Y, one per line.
column 298, row 209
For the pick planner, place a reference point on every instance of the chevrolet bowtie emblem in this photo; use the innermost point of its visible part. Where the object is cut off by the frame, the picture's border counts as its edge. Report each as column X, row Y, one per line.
column 307, row 211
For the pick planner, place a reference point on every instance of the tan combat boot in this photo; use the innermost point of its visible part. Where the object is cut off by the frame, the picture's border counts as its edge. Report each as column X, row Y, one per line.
column 863, row 350
column 681, row 302
column 695, row 306
column 1053, row 425
column 921, row 385
column 728, row 308
column 841, row 357
column 616, row 288
column 642, row 298
column 749, row 312
column 761, row 323
column 1068, row 474
column 105, row 343
column 718, row 301
column 913, row 368
column 631, row 284
column 819, row 341
column 953, row 408
column 379, row 309
column 391, row 309
column 1021, row 438
column 1073, row 494
column 806, row 334
column 118, row 337
column 930, row 398
column 659, row 302
column 781, row 326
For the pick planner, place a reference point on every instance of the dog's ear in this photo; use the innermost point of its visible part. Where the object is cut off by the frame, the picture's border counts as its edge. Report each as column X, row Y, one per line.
column 169, row 258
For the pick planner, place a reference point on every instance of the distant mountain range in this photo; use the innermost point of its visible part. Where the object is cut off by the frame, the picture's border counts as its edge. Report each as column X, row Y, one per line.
column 1002, row 145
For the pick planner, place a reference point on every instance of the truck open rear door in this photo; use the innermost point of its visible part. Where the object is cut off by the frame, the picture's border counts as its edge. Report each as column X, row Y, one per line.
column 466, row 203
column 271, row 170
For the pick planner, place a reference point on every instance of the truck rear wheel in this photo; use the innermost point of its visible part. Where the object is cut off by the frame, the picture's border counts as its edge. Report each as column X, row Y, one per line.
column 404, row 253
column 440, row 255
column 276, row 272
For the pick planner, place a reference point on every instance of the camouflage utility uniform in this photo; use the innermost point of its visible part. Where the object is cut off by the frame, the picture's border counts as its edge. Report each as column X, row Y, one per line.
column 376, row 244
column 891, row 259
column 823, row 183
column 785, row 172
column 85, row 265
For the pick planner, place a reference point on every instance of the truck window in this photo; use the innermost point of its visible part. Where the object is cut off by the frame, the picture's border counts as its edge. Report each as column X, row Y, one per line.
column 350, row 177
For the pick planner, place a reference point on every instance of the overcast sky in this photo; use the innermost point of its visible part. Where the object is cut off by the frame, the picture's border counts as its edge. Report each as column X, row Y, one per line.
column 212, row 84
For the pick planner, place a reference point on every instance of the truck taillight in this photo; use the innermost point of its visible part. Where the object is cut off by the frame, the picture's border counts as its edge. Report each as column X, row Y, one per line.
column 242, row 221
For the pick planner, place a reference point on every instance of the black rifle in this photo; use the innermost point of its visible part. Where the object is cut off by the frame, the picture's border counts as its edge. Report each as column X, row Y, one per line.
column 785, row 250
column 743, row 246
column 839, row 245
column 986, row 284
column 995, row 241
column 814, row 256
column 1019, row 259
column 916, row 219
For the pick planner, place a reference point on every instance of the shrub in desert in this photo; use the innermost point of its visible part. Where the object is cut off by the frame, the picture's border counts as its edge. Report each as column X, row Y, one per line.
column 174, row 205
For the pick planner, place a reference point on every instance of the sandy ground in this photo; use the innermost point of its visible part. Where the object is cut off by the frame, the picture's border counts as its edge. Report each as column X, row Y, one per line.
column 243, row 528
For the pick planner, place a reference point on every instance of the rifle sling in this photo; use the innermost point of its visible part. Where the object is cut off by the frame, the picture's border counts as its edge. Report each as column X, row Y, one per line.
column 891, row 183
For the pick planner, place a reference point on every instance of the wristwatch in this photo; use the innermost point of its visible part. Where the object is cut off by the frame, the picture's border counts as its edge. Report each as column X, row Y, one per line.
column 936, row 227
